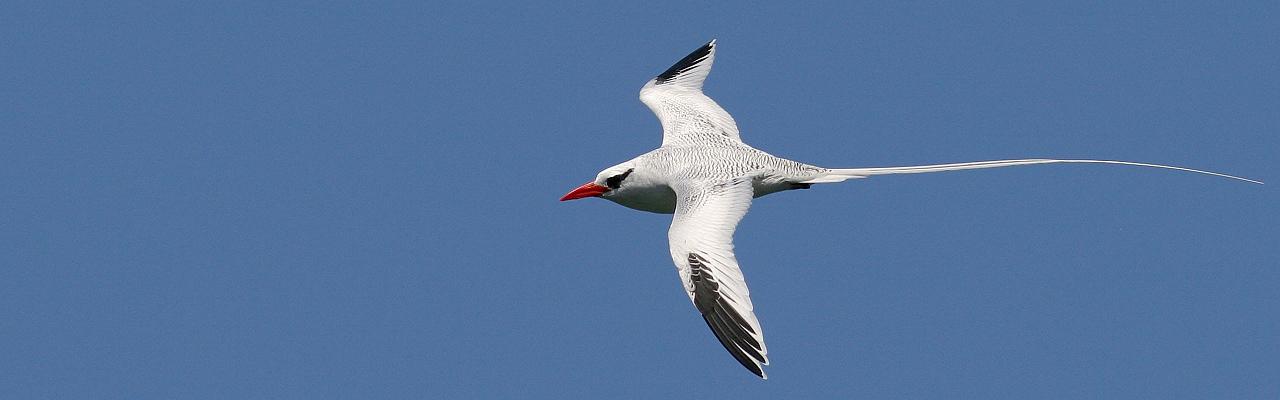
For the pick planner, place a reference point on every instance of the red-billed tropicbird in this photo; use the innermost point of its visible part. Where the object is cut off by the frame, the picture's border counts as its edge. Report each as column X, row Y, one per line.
column 707, row 176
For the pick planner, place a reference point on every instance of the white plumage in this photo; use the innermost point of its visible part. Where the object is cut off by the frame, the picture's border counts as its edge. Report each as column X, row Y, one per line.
column 706, row 176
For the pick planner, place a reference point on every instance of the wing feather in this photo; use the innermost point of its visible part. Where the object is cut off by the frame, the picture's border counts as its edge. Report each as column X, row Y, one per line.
column 676, row 97
column 701, row 239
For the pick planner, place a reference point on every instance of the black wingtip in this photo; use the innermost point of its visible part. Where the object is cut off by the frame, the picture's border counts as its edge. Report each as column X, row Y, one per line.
column 687, row 62
column 733, row 332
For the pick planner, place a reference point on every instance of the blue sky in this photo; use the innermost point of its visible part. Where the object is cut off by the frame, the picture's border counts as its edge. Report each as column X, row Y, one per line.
column 298, row 200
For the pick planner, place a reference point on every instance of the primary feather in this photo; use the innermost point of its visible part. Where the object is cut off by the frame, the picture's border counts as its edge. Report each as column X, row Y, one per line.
column 706, row 176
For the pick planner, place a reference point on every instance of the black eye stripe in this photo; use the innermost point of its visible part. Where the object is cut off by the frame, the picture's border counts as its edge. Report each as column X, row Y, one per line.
column 616, row 181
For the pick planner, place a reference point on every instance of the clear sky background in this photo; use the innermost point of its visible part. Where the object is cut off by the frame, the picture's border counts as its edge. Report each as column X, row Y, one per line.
column 242, row 201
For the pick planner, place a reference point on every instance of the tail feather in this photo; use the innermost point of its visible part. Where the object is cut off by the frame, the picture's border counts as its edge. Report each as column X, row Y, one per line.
column 839, row 175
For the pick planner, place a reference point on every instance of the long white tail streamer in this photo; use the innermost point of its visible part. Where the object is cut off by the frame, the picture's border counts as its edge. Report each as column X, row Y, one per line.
column 918, row 169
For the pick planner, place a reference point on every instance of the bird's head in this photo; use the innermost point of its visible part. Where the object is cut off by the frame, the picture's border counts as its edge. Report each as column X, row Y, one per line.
column 608, row 183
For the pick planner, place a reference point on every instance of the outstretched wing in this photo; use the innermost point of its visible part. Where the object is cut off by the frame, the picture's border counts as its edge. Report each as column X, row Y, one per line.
column 675, row 96
column 701, row 238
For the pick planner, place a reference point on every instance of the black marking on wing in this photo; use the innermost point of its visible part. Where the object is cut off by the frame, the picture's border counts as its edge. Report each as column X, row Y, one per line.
column 686, row 63
column 734, row 333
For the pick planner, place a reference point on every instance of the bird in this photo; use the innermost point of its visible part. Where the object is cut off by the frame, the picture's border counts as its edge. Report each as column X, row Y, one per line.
column 706, row 176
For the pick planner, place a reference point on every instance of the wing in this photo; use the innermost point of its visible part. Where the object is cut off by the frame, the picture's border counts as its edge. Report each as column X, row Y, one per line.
column 702, row 248
column 687, row 114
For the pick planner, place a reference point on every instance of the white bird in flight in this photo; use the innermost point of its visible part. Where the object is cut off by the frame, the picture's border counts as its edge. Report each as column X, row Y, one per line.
column 706, row 176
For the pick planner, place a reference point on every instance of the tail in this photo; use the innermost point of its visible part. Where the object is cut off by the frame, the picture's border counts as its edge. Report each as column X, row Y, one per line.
column 839, row 175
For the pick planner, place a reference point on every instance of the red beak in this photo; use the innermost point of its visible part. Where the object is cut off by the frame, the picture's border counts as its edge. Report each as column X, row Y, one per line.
column 589, row 189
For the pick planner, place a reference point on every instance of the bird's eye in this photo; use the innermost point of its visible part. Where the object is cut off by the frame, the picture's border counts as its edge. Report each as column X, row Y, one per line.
column 616, row 181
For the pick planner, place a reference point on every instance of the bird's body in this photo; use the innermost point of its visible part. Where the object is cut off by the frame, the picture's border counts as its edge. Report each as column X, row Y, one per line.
column 656, row 170
column 705, row 175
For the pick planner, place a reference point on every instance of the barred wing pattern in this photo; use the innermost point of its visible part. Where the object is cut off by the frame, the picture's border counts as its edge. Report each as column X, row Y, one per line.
column 687, row 115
